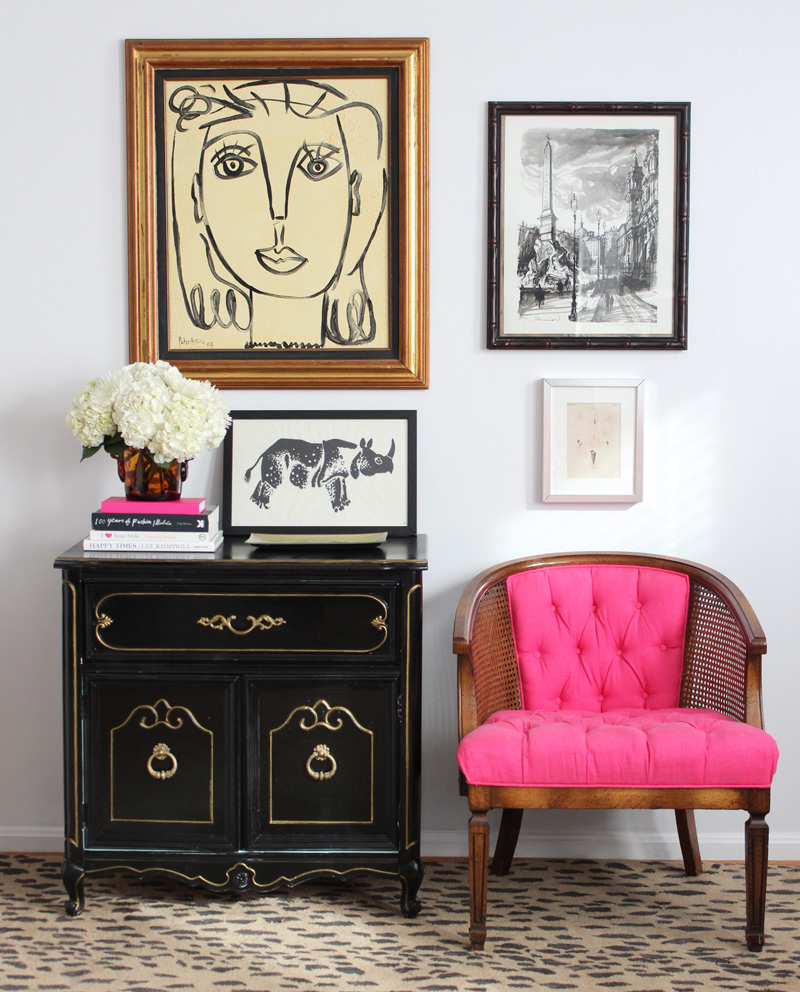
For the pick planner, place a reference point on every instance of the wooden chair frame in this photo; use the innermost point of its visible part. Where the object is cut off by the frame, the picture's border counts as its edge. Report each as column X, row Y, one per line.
column 721, row 671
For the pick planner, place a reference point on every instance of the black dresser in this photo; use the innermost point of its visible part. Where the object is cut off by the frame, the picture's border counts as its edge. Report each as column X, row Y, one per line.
column 248, row 719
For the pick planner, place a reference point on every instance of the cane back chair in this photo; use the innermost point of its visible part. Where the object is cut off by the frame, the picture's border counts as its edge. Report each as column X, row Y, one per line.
column 606, row 681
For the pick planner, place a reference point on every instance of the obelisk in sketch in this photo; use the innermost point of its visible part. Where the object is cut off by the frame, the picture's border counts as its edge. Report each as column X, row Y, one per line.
column 547, row 222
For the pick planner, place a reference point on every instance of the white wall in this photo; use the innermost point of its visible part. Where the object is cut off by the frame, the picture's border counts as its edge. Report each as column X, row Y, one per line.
column 721, row 475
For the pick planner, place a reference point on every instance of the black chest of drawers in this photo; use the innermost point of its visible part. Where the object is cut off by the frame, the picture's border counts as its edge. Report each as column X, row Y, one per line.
column 249, row 719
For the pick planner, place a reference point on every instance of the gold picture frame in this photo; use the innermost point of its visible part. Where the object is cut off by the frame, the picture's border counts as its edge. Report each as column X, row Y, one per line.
column 331, row 288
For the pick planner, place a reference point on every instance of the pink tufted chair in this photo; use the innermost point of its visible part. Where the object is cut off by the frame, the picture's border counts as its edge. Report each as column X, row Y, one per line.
column 606, row 681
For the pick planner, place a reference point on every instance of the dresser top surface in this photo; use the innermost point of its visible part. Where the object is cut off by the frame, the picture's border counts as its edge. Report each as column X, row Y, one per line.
column 407, row 552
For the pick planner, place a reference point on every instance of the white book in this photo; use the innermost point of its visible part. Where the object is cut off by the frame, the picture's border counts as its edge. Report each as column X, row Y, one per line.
column 145, row 540
column 150, row 544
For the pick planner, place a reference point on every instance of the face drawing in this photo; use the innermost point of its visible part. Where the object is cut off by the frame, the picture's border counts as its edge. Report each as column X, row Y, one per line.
column 266, row 191
column 277, row 190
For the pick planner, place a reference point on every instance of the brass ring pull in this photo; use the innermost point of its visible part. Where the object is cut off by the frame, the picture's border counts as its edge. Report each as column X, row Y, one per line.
column 321, row 753
column 161, row 752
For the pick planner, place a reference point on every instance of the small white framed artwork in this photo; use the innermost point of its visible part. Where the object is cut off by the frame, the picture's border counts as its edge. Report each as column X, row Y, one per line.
column 592, row 440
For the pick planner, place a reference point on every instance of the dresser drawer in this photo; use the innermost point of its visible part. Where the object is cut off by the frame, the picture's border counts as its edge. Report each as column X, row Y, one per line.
column 289, row 620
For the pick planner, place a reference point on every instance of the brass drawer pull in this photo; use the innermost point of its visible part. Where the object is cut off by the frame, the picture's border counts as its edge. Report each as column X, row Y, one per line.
column 161, row 752
column 219, row 622
column 321, row 753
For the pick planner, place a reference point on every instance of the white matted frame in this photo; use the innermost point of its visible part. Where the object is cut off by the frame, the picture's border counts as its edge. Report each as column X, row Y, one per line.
column 592, row 440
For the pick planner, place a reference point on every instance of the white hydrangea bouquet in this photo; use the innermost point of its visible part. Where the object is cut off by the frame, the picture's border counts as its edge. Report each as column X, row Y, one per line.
column 150, row 406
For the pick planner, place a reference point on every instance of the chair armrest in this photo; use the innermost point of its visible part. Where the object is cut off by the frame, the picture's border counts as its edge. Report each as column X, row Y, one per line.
column 488, row 677
column 467, row 707
column 724, row 647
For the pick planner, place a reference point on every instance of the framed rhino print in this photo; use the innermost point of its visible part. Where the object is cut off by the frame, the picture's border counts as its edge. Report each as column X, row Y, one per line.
column 588, row 225
column 277, row 210
column 320, row 473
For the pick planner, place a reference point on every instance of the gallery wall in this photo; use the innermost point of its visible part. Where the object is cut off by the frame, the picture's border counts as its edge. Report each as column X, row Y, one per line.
column 721, row 419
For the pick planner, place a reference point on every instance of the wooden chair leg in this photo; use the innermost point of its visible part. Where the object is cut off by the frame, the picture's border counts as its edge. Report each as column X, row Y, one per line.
column 506, row 844
column 478, row 876
column 687, row 835
column 756, row 851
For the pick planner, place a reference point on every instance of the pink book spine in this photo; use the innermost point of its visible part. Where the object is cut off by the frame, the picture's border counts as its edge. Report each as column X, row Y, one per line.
column 188, row 504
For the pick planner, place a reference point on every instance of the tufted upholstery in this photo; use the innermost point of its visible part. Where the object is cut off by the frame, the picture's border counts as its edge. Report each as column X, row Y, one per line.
column 600, row 656
column 623, row 748
column 592, row 637
column 605, row 681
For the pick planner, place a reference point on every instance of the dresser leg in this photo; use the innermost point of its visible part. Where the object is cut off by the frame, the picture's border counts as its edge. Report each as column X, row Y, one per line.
column 72, row 877
column 411, row 875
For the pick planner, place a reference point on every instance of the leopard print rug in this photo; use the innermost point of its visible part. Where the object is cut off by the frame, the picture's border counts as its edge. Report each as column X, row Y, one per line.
column 557, row 926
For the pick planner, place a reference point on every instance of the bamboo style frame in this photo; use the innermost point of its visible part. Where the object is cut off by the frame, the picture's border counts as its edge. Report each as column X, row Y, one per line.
column 585, row 177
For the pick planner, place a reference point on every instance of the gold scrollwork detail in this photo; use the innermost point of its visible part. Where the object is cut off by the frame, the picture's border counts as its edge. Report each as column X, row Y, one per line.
column 219, row 622
column 162, row 712
column 162, row 753
column 321, row 753
column 103, row 621
column 379, row 623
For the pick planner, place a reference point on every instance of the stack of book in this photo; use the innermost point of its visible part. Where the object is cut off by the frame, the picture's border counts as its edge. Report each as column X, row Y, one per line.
column 185, row 524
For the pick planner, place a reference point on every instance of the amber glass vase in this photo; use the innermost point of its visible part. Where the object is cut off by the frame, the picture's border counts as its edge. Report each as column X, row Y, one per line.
column 145, row 480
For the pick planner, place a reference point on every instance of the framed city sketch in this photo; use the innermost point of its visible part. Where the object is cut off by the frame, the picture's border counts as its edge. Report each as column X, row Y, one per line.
column 320, row 473
column 588, row 225
column 277, row 210
column 592, row 440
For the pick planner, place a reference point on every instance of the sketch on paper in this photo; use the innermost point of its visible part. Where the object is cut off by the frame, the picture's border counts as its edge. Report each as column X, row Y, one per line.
column 594, row 432
column 582, row 237
column 276, row 193
column 317, row 465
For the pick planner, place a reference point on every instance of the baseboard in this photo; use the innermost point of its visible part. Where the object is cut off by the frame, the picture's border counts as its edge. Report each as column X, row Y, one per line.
column 628, row 845
column 33, row 839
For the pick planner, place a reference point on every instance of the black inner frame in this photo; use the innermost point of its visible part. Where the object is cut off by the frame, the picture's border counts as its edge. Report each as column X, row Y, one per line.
column 410, row 416
column 392, row 210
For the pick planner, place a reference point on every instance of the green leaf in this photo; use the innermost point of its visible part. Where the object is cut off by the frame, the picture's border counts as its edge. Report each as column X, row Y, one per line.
column 115, row 444
column 89, row 451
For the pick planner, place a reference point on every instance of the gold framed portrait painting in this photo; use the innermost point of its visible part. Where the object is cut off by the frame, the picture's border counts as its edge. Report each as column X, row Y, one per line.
column 277, row 210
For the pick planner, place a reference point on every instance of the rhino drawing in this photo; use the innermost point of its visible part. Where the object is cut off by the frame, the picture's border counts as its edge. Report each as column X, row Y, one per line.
column 320, row 465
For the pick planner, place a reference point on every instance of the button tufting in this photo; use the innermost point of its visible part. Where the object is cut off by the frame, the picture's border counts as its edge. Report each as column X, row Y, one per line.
column 619, row 653
column 663, row 647
column 553, row 607
column 594, row 608
column 638, row 606
column 601, row 698
column 537, row 654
